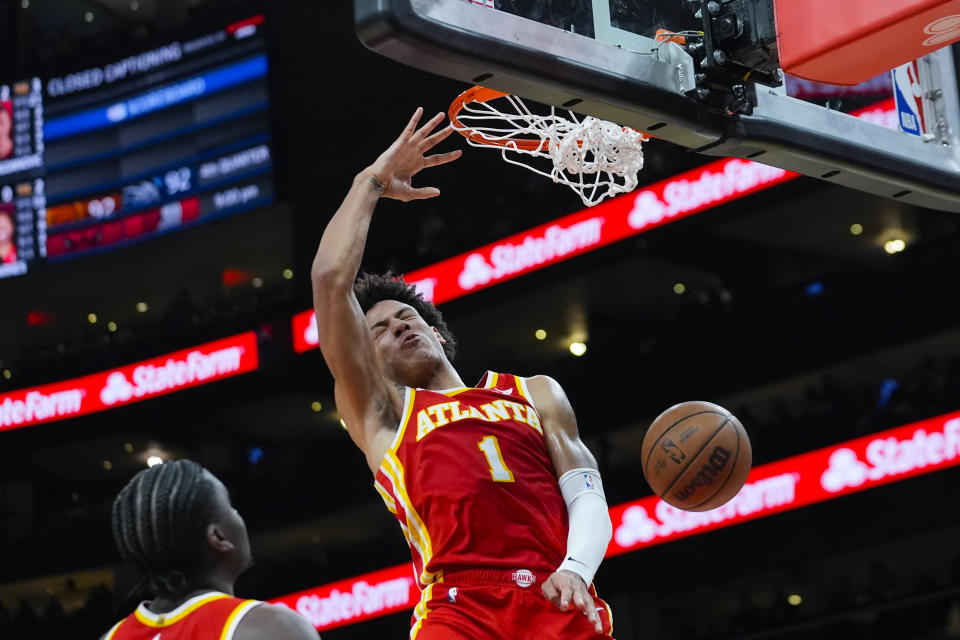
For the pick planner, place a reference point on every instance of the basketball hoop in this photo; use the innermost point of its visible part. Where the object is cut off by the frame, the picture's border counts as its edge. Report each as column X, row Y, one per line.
column 595, row 158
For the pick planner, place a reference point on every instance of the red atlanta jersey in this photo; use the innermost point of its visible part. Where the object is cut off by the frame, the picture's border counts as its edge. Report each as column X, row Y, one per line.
column 208, row 616
column 469, row 478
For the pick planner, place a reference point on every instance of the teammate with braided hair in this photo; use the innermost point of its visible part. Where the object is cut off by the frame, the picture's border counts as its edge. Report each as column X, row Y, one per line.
column 173, row 524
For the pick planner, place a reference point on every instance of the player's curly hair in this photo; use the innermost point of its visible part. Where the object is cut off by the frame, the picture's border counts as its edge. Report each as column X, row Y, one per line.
column 158, row 523
column 371, row 288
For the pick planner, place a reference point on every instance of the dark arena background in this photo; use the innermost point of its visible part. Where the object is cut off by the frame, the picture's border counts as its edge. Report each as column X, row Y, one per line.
column 173, row 167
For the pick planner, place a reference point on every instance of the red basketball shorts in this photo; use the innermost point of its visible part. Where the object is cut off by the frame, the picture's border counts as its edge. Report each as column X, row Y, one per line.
column 492, row 605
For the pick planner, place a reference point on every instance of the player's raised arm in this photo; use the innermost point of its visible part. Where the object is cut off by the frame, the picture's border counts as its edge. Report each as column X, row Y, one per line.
column 368, row 403
column 590, row 528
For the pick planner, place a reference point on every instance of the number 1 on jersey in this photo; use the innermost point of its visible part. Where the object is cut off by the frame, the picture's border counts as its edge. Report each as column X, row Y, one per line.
column 498, row 468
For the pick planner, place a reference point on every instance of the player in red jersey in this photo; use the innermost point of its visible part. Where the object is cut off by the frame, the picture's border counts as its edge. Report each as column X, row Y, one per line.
column 499, row 499
column 174, row 526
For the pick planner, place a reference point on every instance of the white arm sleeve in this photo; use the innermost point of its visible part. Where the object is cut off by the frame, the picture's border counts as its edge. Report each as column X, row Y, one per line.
column 590, row 527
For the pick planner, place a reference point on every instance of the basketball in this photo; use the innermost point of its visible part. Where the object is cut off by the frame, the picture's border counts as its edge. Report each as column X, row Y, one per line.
column 696, row 456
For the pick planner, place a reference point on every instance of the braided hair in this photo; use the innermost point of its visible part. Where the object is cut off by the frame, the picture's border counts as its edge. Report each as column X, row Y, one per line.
column 158, row 522
column 371, row 288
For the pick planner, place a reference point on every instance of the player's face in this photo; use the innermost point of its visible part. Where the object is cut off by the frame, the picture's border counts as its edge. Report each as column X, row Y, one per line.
column 405, row 344
column 232, row 526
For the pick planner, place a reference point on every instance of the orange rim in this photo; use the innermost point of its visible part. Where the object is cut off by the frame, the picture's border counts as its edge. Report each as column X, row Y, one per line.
column 482, row 94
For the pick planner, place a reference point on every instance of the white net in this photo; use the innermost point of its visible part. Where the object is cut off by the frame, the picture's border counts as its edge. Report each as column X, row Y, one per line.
column 595, row 158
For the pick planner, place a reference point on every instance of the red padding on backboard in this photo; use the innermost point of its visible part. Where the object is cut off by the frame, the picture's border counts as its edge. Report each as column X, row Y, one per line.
column 849, row 41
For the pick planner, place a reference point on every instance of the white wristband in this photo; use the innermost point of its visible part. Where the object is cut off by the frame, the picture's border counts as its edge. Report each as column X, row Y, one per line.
column 590, row 528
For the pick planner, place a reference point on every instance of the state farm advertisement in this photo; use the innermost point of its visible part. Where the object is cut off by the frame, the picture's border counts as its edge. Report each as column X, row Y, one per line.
column 798, row 481
column 356, row 599
column 577, row 233
column 305, row 331
column 131, row 383
column 608, row 222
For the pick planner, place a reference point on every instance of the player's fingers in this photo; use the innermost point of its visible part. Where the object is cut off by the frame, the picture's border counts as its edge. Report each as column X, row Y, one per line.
column 427, row 127
column 441, row 158
column 436, row 138
column 565, row 594
column 550, row 591
column 412, row 125
column 579, row 602
column 592, row 615
column 422, row 193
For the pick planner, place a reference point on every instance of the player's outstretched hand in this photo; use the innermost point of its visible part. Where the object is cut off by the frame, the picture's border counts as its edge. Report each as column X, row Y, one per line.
column 396, row 166
column 564, row 588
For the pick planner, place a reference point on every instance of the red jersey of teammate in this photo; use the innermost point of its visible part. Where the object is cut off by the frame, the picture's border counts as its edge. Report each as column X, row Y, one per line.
column 469, row 478
column 208, row 615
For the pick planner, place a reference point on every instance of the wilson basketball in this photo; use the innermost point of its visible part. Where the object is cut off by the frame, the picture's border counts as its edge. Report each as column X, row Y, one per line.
column 696, row 456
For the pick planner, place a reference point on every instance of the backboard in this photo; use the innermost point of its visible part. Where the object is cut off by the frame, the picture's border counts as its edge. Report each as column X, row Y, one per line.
column 602, row 58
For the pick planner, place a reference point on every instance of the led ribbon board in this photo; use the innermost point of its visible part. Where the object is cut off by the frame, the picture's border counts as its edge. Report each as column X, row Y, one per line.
column 853, row 466
column 356, row 599
column 182, row 369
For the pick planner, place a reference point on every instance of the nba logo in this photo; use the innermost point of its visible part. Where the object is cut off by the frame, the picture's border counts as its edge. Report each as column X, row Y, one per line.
column 588, row 481
column 908, row 93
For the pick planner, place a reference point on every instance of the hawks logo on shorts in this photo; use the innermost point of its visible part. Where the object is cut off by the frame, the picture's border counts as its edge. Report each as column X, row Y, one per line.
column 469, row 478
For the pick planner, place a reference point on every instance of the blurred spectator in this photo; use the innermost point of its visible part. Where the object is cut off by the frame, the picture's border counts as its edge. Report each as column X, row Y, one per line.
column 952, row 628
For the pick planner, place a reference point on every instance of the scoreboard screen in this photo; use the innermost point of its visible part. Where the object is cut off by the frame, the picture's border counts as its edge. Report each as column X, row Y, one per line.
column 111, row 155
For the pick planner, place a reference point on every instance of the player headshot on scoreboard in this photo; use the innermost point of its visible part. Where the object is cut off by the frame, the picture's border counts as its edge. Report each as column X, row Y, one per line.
column 6, row 129
column 8, row 249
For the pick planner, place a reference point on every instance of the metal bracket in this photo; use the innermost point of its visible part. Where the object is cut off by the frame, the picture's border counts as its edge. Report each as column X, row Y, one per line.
column 939, row 77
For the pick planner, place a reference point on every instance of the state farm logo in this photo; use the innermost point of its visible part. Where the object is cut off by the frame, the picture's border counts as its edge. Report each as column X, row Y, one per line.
column 844, row 470
column 508, row 258
column 117, row 389
column 361, row 600
column 942, row 31
column 37, row 406
column 647, row 209
column 710, row 188
column 638, row 526
column 425, row 288
column 311, row 335
column 149, row 379
column 523, row 578
column 891, row 456
column 476, row 271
